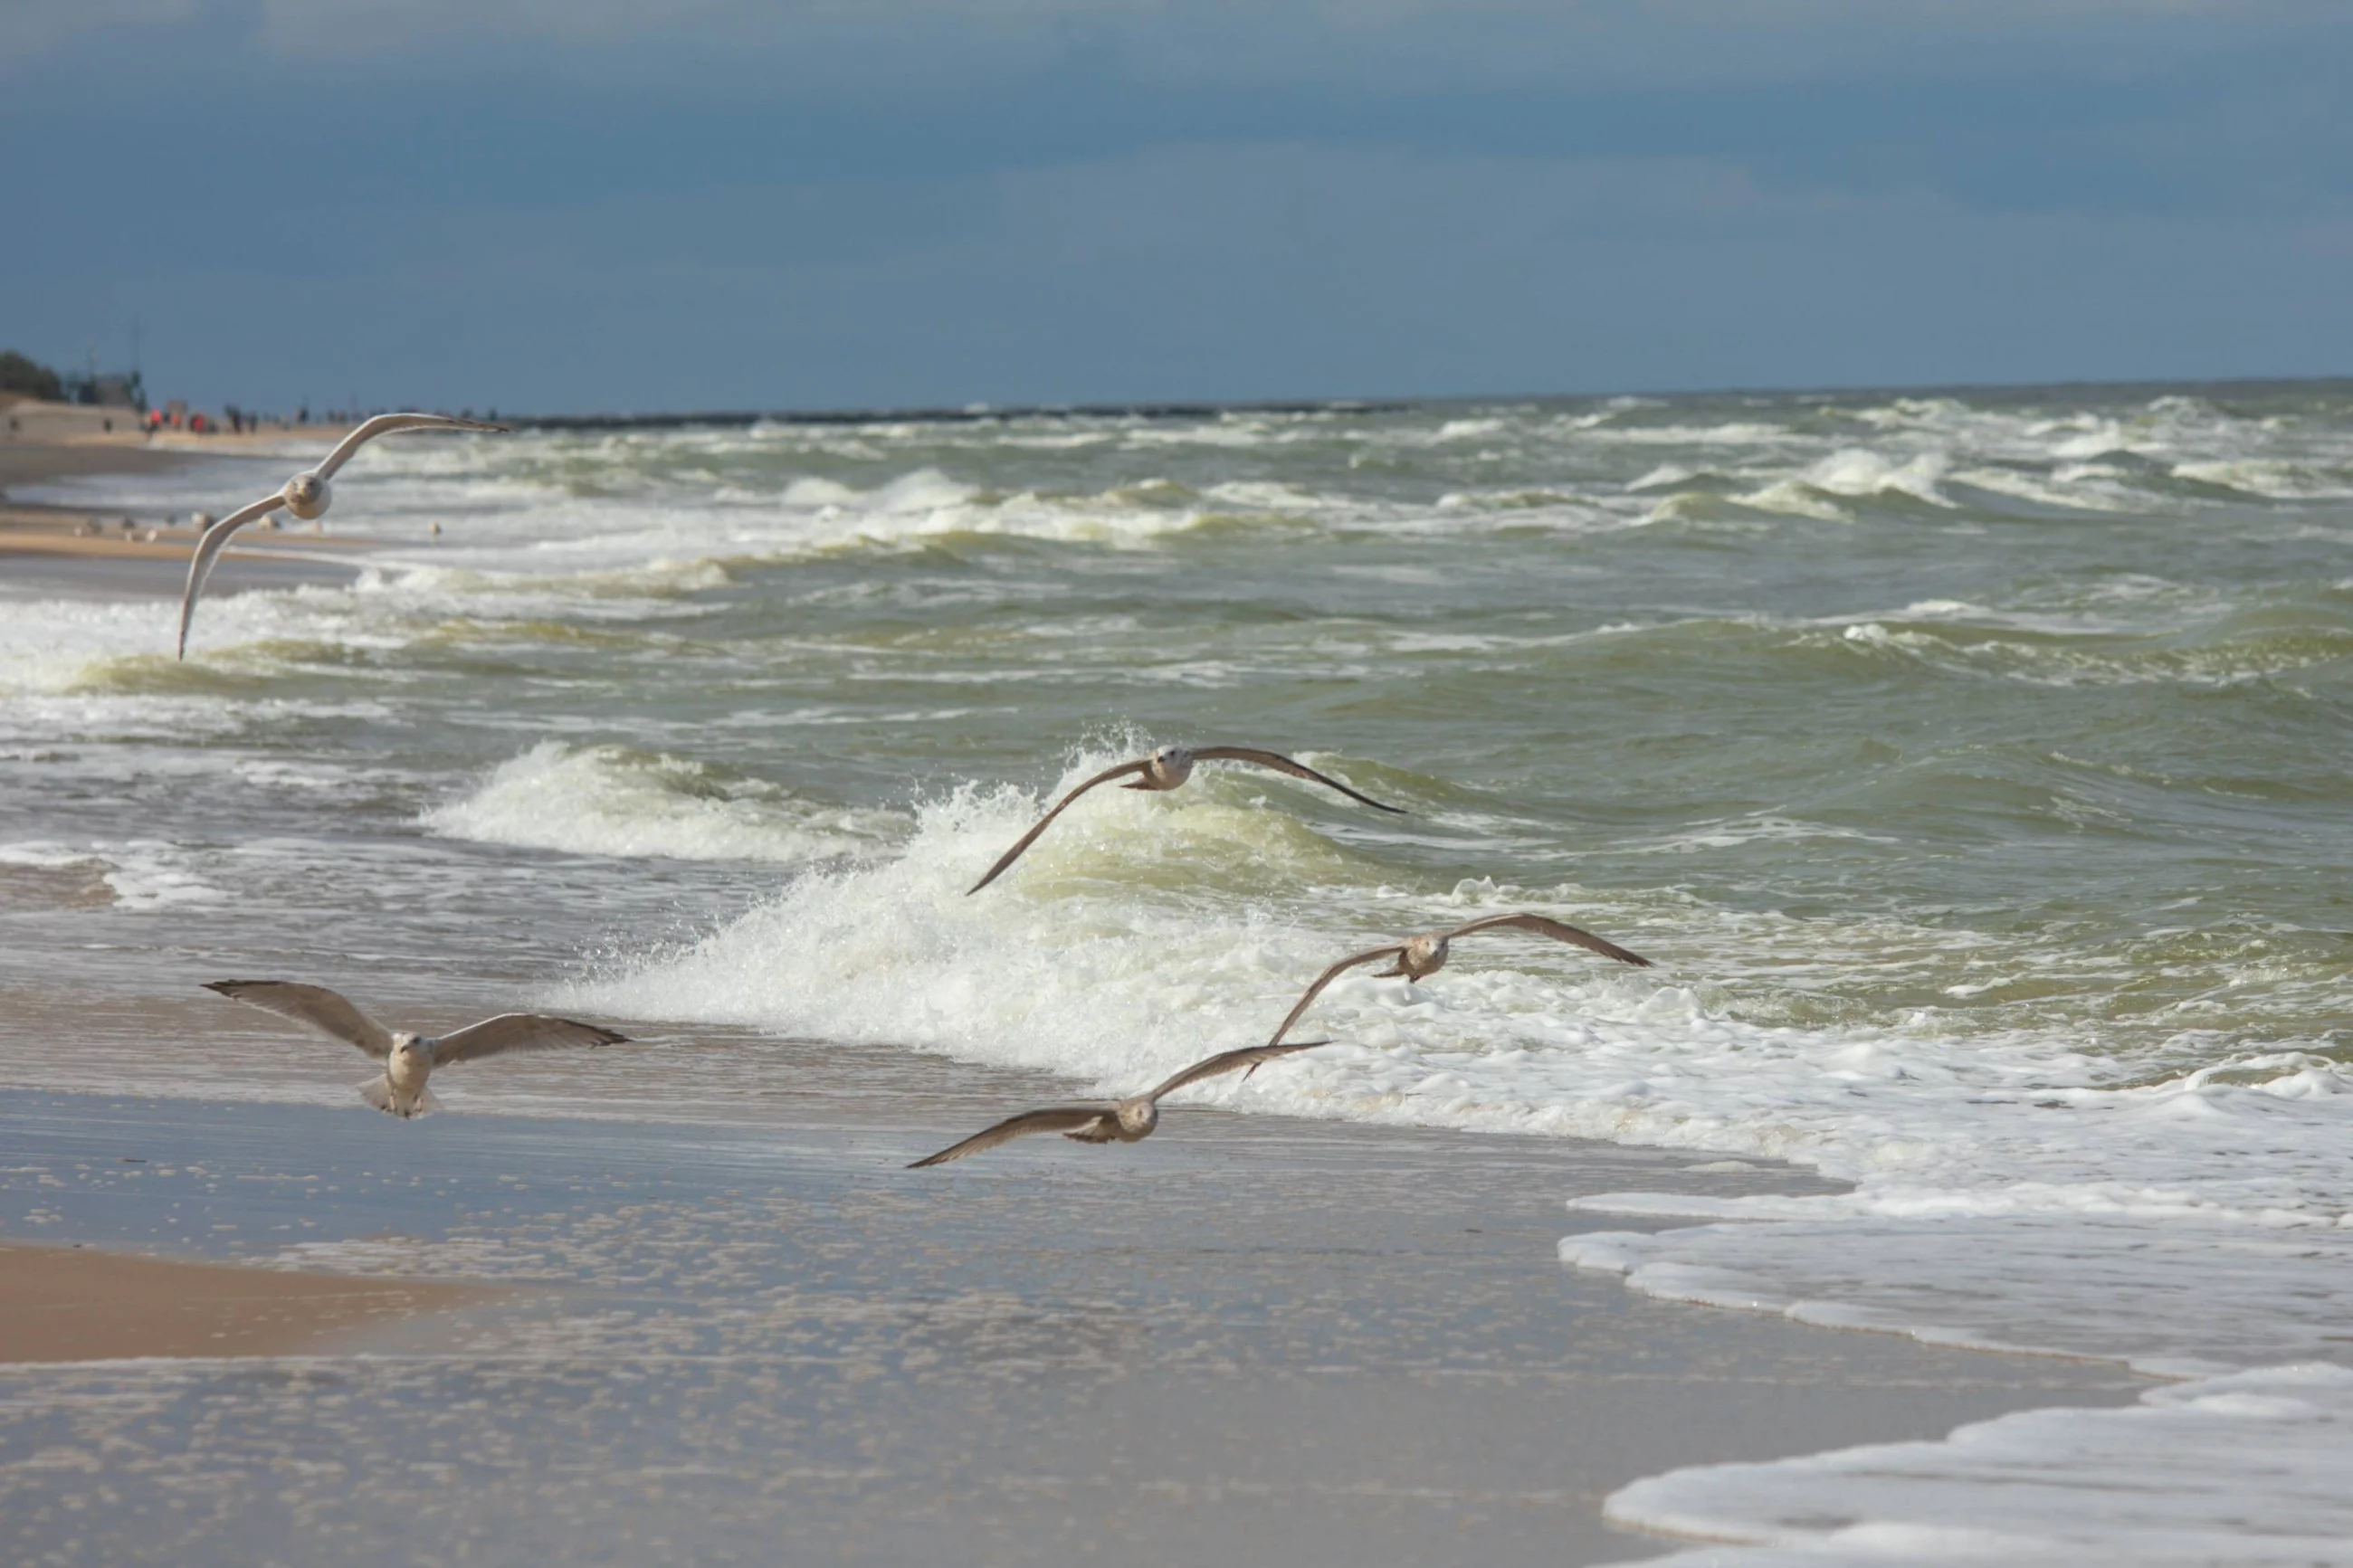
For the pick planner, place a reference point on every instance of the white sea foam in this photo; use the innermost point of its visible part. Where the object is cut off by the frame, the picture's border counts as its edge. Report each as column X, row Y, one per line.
column 45, row 855
column 1061, row 965
column 1760, row 828
column 609, row 800
column 1736, row 433
column 143, row 873
column 1854, row 472
column 2074, row 489
column 2246, row 1469
column 1469, row 429
column 2085, row 660
column 1665, row 475
column 2271, row 480
column 48, row 646
column 2200, row 1227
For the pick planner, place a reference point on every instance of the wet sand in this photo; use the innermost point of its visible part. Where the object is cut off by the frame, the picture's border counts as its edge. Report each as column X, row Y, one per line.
column 40, row 461
column 36, row 463
column 1249, row 1339
column 74, row 1304
column 72, row 552
column 82, row 553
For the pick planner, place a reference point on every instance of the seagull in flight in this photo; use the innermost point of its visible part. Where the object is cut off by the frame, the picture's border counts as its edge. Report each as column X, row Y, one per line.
column 1421, row 956
column 307, row 495
column 1165, row 769
column 1126, row 1121
column 408, row 1060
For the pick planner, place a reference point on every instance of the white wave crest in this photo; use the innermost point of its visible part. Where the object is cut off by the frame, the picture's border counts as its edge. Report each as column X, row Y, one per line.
column 1855, row 473
column 2270, row 481
column 1074, row 960
column 609, row 800
column 143, row 873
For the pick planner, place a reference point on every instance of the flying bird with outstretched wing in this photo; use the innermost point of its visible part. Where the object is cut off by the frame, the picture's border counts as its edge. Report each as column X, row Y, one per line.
column 307, row 495
column 1418, row 957
column 408, row 1058
column 1167, row 769
column 1125, row 1120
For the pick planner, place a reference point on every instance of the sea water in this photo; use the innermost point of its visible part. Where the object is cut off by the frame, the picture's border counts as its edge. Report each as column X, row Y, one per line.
column 1973, row 765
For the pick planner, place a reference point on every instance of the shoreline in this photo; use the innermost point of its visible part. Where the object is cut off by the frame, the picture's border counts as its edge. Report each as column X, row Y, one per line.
column 25, row 463
column 73, row 1303
column 69, row 552
column 94, row 552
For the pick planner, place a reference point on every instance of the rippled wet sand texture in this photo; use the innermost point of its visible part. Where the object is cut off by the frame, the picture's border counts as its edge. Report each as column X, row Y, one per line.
column 1249, row 1340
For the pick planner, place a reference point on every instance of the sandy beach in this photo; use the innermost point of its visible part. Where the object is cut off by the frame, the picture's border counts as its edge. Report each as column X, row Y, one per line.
column 69, row 1304
column 1249, row 1339
column 89, row 553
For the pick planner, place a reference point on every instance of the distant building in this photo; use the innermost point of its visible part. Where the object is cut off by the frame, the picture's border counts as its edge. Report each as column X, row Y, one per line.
column 96, row 390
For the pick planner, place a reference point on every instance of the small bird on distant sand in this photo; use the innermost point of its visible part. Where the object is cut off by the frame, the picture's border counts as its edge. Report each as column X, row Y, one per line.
column 410, row 1059
column 1165, row 769
column 1127, row 1121
column 307, row 495
column 1424, row 955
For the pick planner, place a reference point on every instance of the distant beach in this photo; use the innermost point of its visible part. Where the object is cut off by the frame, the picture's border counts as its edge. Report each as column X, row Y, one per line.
column 92, row 550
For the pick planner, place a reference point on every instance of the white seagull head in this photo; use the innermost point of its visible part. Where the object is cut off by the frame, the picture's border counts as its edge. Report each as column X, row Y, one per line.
column 1170, row 767
column 307, row 496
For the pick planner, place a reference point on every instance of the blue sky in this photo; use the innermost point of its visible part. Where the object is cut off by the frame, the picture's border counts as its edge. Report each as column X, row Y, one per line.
column 574, row 204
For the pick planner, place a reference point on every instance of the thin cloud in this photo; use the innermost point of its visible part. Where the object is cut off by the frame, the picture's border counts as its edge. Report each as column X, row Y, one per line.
column 30, row 29
column 1401, row 45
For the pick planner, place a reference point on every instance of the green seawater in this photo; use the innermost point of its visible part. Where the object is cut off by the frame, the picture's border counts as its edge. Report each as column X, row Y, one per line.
column 1994, row 714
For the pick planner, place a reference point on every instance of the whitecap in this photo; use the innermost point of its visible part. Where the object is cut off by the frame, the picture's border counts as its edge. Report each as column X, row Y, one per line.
column 610, row 800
